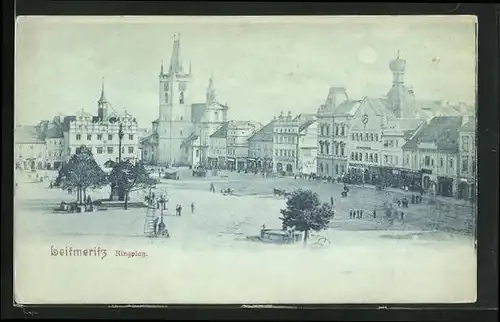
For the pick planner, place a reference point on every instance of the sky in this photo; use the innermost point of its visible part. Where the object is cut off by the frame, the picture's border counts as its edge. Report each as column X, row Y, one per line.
column 260, row 65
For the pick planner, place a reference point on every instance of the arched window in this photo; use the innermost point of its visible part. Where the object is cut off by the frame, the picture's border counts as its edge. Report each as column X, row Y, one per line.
column 327, row 147
column 336, row 129
column 336, row 169
column 342, row 131
column 328, row 130
column 336, row 148
column 342, row 151
column 321, row 147
column 371, row 157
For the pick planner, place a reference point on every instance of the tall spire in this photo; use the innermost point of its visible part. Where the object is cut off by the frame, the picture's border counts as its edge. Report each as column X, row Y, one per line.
column 211, row 90
column 175, row 65
column 102, row 99
column 161, row 68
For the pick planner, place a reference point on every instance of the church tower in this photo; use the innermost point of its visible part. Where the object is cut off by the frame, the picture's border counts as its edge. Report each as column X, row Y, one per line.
column 102, row 105
column 174, row 122
column 213, row 118
column 400, row 98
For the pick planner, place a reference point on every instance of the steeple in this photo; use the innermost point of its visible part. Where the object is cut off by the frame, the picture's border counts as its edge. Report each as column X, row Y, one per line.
column 161, row 68
column 102, row 104
column 102, row 99
column 211, row 91
column 175, row 60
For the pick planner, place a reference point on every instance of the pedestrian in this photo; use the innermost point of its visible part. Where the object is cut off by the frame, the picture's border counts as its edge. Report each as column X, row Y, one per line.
column 358, row 213
column 413, row 199
column 155, row 225
column 180, row 210
column 399, row 203
column 350, row 213
column 192, row 207
column 402, row 216
column 331, row 200
column 361, row 213
column 374, row 213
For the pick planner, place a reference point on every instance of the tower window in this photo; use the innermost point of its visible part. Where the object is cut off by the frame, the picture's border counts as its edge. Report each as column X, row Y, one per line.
column 166, row 97
column 181, row 132
column 181, row 98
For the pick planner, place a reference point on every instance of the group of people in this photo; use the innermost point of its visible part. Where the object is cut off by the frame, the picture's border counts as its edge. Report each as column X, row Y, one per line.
column 358, row 213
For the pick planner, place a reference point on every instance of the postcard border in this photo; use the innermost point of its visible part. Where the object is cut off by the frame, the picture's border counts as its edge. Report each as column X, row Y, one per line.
column 487, row 164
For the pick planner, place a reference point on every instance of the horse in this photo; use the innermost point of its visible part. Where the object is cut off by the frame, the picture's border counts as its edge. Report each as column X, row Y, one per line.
column 278, row 192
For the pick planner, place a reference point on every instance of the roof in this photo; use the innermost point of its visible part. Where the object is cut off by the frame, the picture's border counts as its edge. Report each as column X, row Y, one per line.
column 380, row 107
column 55, row 132
column 305, row 125
column 27, row 134
column 221, row 132
column 348, row 107
column 470, row 126
column 441, row 130
column 67, row 120
column 263, row 133
column 197, row 112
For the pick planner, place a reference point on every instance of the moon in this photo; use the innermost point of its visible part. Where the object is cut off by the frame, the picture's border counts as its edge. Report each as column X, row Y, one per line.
column 367, row 55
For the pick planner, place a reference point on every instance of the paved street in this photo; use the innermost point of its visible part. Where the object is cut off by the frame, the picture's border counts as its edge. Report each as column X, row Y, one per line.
column 448, row 215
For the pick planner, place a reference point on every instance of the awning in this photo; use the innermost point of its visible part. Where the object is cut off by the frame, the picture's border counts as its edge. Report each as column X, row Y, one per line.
column 231, row 159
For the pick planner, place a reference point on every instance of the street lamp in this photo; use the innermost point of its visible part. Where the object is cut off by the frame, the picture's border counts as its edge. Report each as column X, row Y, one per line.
column 162, row 202
column 120, row 138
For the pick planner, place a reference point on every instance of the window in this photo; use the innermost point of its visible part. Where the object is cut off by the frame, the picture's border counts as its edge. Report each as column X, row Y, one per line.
column 78, row 138
column 89, row 137
column 397, row 144
column 376, row 158
column 473, row 166
column 197, row 153
column 465, row 144
column 366, row 136
column 180, row 132
column 110, row 150
column 99, row 136
column 451, row 162
column 327, row 146
column 427, row 161
column 342, row 131
column 336, row 169
column 465, row 164
column 293, row 154
column 352, row 155
column 371, row 157
column 110, row 137
column 342, row 149
column 130, row 149
column 99, row 150
column 327, row 168
column 386, row 159
column 181, row 98
column 352, row 136
column 360, row 156
column 328, row 130
column 342, row 168
column 366, row 157
column 123, row 149
column 406, row 160
column 166, row 97
column 441, row 162
column 130, row 137
column 371, row 136
column 376, row 137
column 276, row 152
column 396, row 160
column 336, row 130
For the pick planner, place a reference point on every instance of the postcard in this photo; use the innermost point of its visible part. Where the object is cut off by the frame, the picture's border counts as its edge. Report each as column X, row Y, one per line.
column 245, row 160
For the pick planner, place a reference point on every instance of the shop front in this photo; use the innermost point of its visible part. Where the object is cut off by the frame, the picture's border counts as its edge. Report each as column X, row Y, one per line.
column 231, row 164
column 445, row 186
column 466, row 189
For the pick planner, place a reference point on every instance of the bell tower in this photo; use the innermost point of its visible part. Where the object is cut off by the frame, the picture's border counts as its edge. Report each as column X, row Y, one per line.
column 174, row 121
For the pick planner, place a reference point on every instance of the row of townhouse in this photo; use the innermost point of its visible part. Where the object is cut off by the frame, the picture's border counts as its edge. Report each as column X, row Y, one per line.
column 51, row 143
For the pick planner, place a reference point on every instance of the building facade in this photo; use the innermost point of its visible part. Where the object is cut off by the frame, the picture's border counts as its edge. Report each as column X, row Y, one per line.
column 288, row 134
column 238, row 133
column 100, row 134
column 334, row 118
column 433, row 151
column 217, row 152
column 467, row 167
column 260, row 149
column 30, row 148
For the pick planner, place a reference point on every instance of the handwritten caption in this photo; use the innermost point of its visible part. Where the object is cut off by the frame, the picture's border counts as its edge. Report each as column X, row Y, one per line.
column 96, row 251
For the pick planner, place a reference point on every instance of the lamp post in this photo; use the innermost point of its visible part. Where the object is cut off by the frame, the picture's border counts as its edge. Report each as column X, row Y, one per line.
column 120, row 138
column 162, row 203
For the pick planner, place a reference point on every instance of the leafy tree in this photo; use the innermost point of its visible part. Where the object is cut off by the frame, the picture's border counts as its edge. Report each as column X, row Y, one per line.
column 81, row 172
column 128, row 177
column 305, row 212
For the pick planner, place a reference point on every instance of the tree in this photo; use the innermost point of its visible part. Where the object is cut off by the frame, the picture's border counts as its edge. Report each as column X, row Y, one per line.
column 305, row 212
column 128, row 177
column 81, row 172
